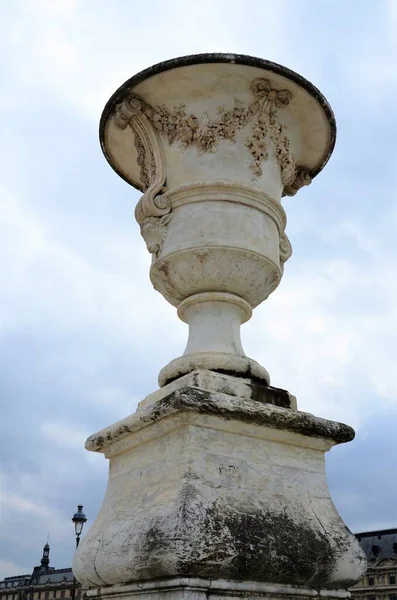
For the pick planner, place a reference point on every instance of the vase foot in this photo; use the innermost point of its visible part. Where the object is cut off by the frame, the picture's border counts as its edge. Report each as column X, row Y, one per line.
column 220, row 362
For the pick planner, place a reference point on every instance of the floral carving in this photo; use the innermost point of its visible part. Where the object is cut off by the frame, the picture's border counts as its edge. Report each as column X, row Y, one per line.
column 268, row 100
column 177, row 125
column 142, row 161
column 257, row 147
column 282, row 151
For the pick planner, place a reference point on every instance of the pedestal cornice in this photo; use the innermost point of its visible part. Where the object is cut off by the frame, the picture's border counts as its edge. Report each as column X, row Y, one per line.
column 305, row 429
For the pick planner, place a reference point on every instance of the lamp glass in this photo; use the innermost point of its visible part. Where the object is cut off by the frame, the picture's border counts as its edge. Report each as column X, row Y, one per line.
column 78, row 527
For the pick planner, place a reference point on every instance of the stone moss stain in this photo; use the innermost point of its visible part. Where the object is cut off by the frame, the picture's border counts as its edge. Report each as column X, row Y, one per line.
column 229, row 541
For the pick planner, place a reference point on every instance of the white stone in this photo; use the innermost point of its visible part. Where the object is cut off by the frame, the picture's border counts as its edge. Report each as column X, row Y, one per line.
column 214, row 337
column 203, row 589
column 211, row 381
column 220, row 487
column 214, row 143
column 217, row 477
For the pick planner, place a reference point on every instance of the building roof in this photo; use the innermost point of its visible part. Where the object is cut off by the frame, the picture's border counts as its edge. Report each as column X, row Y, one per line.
column 56, row 576
column 41, row 575
column 378, row 544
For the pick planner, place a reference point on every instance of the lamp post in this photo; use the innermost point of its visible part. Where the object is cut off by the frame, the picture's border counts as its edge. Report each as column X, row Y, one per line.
column 78, row 519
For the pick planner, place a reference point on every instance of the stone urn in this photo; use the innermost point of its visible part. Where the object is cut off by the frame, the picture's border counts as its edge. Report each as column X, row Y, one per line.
column 217, row 485
column 214, row 141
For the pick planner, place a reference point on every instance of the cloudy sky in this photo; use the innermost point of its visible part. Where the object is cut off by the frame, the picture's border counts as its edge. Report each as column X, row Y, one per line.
column 83, row 334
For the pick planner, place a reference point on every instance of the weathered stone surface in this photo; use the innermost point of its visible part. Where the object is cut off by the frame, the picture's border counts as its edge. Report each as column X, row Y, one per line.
column 211, row 381
column 214, row 142
column 188, row 399
column 210, row 485
column 203, row 589
column 217, row 478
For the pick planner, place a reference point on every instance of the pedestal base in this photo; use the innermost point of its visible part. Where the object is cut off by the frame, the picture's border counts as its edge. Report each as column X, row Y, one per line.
column 211, row 381
column 209, row 589
column 210, row 485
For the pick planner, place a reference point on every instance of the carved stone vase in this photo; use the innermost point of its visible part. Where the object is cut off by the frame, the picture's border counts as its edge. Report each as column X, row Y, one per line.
column 217, row 485
column 214, row 142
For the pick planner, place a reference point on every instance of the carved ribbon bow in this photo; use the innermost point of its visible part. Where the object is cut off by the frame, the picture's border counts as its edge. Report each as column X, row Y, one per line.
column 270, row 99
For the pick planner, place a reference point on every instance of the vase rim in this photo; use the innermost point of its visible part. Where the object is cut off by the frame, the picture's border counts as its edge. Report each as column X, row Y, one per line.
column 217, row 58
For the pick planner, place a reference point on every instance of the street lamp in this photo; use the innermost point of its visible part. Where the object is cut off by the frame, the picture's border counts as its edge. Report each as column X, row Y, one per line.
column 79, row 519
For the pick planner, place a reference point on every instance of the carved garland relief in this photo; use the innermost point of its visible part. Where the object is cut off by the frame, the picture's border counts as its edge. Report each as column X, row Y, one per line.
column 187, row 129
column 205, row 134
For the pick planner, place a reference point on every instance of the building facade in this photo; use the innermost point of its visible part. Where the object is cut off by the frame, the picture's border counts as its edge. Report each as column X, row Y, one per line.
column 378, row 583
column 44, row 583
column 380, row 579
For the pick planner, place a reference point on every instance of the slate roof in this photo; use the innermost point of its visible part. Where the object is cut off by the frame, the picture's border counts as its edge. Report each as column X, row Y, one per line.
column 56, row 576
column 378, row 544
column 41, row 576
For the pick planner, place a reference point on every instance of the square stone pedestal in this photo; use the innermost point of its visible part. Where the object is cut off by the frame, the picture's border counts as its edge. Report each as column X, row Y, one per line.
column 208, row 589
column 207, row 488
